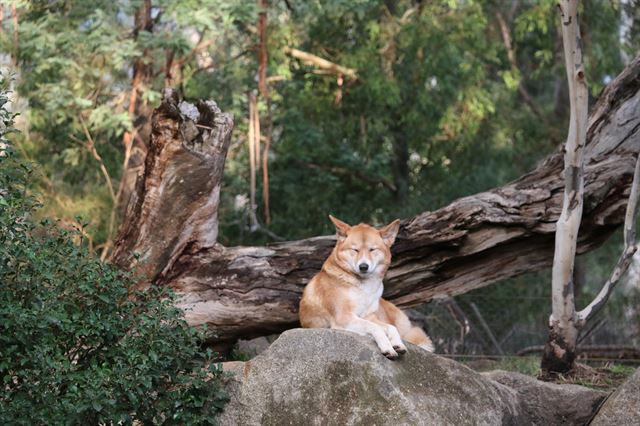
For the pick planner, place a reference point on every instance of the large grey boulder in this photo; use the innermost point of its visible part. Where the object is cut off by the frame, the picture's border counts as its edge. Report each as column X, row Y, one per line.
column 549, row 403
column 330, row 377
column 622, row 408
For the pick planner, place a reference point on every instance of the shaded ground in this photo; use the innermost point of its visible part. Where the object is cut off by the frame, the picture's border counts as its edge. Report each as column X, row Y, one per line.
column 605, row 376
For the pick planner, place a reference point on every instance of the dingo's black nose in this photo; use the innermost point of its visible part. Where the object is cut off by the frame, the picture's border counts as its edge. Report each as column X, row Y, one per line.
column 363, row 267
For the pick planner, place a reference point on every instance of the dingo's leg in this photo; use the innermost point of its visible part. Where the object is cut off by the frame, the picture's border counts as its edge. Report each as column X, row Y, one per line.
column 364, row 327
column 392, row 333
column 389, row 312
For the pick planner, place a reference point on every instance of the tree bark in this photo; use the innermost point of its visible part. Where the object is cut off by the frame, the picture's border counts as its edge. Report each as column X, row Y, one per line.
column 174, row 209
column 474, row 241
column 559, row 352
column 135, row 142
column 400, row 165
column 263, row 89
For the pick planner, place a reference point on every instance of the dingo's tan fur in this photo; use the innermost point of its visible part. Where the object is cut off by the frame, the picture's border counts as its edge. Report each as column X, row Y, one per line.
column 345, row 294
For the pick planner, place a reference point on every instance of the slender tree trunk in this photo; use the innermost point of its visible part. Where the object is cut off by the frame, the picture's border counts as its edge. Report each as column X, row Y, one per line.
column 400, row 163
column 263, row 89
column 262, row 48
column 172, row 71
column 14, row 19
column 505, row 31
column 560, row 350
column 400, row 167
column 254, row 158
column 135, row 141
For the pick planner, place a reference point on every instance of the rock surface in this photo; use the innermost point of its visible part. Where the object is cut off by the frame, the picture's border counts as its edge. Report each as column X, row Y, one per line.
column 622, row 408
column 329, row 377
column 549, row 403
column 253, row 347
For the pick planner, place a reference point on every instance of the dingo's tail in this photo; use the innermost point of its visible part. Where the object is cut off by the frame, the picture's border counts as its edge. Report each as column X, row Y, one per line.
column 419, row 338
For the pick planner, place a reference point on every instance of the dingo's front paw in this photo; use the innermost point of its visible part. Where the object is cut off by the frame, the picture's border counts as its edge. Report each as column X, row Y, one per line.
column 391, row 354
column 400, row 349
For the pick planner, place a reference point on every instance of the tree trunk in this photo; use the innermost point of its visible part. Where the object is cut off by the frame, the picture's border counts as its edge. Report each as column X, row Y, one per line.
column 400, row 166
column 559, row 352
column 474, row 241
column 135, row 142
column 174, row 209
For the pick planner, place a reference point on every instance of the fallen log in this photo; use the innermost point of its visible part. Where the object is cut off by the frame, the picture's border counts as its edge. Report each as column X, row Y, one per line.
column 170, row 228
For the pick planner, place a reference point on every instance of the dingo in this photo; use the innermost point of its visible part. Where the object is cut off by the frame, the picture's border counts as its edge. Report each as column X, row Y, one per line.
column 345, row 294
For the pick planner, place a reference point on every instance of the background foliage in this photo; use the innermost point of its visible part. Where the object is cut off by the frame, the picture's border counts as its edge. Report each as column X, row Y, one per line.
column 452, row 97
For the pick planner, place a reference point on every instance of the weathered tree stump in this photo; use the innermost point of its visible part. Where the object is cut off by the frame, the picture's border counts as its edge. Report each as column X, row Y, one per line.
column 172, row 222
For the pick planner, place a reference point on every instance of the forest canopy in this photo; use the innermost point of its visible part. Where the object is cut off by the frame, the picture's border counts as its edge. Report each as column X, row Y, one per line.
column 427, row 101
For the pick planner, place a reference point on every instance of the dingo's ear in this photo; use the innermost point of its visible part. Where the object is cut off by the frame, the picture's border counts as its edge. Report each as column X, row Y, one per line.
column 341, row 227
column 389, row 232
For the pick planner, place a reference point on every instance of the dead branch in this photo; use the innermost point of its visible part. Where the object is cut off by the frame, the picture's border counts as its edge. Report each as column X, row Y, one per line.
column 321, row 63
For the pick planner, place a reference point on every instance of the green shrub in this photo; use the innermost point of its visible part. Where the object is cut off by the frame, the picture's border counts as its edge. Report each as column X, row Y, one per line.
column 76, row 346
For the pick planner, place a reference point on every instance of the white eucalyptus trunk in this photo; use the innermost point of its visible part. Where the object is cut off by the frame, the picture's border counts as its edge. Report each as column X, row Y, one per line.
column 560, row 349
column 565, row 322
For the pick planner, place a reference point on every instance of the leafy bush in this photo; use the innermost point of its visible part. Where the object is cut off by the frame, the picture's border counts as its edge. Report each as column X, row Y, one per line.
column 76, row 345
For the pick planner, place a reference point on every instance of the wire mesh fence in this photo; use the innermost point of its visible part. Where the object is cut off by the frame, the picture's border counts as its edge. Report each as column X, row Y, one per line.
column 510, row 319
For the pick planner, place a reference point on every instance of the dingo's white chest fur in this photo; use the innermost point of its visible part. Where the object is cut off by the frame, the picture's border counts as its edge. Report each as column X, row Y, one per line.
column 366, row 297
